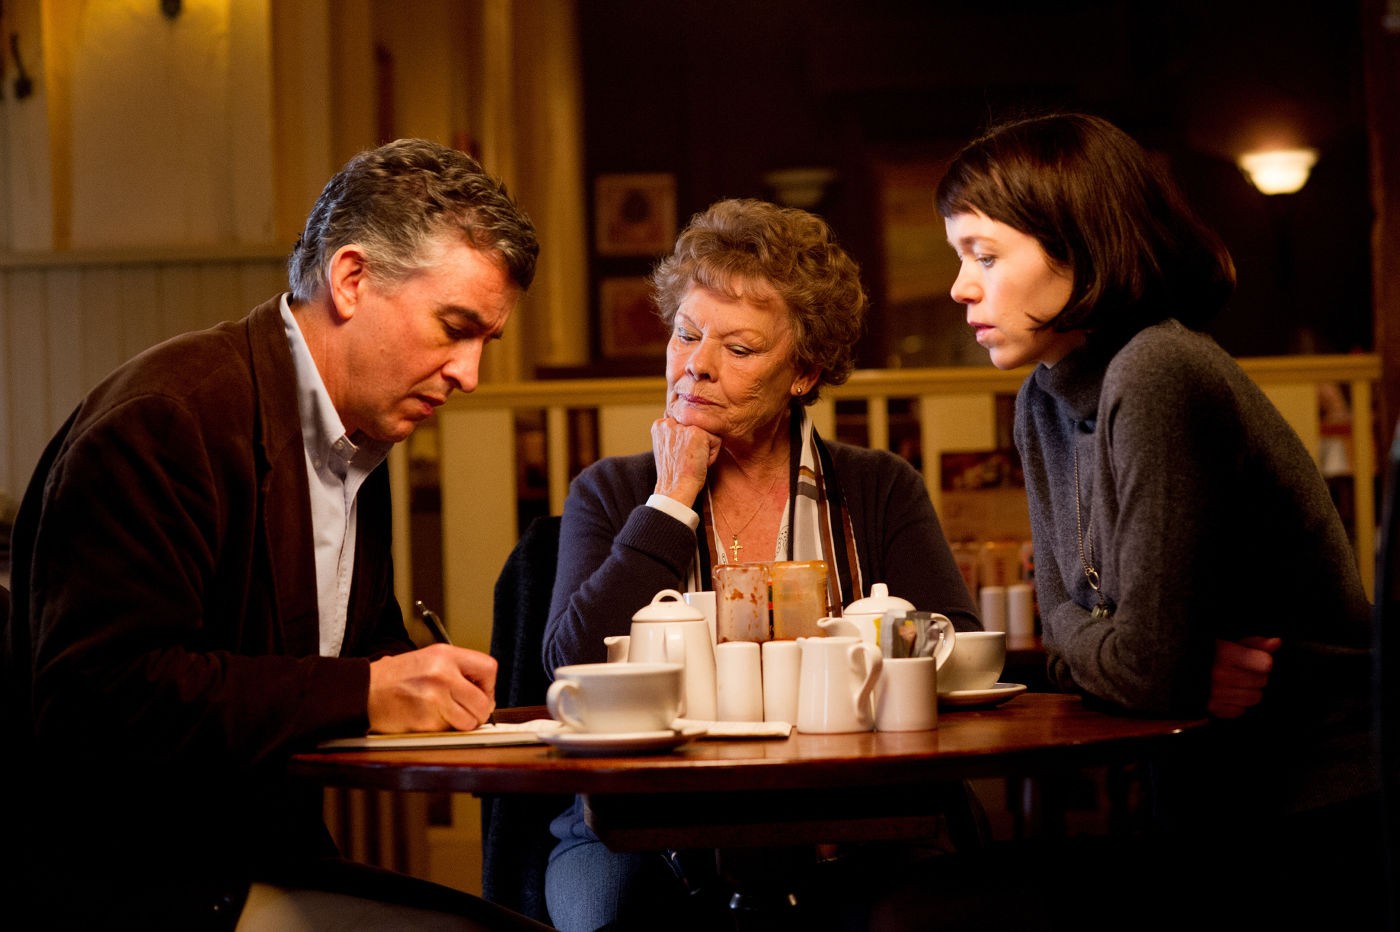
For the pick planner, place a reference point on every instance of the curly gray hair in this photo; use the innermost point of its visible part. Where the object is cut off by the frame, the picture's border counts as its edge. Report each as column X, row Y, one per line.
column 744, row 241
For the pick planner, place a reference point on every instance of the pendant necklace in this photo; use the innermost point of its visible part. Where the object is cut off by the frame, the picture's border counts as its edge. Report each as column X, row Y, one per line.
column 736, row 548
column 1086, row 547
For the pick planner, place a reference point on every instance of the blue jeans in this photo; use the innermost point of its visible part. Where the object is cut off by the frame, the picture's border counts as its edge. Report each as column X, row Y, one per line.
column 587, row 887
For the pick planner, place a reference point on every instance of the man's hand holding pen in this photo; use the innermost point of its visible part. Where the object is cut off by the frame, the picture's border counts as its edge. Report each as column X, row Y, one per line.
column 436, row 688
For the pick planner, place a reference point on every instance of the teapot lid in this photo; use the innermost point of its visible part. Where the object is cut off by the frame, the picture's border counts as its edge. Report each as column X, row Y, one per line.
column 668, row 605
column 880, row 600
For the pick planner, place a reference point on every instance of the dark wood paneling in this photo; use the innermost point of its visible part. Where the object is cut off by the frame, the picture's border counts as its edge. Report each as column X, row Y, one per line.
column 722, row 91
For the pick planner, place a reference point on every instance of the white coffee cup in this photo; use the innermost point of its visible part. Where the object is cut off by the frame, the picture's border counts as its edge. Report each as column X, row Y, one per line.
column 782, row 667
column 906, row 698
column 835, row 692
column 739, row 681
column 616, row 698
column 975, row 663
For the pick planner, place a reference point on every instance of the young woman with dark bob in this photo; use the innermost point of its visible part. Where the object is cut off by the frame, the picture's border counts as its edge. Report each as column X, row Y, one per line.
column 1189, row 559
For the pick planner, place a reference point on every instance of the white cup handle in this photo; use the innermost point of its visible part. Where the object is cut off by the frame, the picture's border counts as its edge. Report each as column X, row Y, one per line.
column 874, row 663
column 946, row 639
column 559, row 699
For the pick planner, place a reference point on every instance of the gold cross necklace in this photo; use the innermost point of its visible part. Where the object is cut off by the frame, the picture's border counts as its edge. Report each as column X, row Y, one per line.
column 736, row 548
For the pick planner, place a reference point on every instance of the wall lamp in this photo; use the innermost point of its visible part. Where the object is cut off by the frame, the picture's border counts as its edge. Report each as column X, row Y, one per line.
column 1278, row 171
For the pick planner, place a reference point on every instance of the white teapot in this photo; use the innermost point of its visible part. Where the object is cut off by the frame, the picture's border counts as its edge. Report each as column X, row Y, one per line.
column 879, row 610
column 670, row 631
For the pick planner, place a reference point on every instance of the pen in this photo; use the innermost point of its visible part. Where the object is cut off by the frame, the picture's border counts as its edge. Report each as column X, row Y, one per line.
column 432, row 622
column 439, row 631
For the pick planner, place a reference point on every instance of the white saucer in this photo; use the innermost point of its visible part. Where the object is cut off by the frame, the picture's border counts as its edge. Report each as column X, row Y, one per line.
column 968, row 698
column 637, row 742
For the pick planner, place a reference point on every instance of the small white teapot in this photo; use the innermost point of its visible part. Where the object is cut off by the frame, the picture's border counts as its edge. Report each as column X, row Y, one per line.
column 888, row 608
column 670, row 631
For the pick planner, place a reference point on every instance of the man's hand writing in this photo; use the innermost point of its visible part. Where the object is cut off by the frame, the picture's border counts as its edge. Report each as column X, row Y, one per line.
column 436, row 688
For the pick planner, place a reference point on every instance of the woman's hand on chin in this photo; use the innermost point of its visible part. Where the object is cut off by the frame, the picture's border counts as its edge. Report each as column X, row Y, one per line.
column 683, row 458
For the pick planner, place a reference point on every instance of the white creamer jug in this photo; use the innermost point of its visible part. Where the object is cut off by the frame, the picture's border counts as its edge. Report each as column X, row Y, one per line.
column 836, row 684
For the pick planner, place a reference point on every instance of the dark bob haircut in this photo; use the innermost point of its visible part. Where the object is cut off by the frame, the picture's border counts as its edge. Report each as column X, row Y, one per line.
column 1087, row 192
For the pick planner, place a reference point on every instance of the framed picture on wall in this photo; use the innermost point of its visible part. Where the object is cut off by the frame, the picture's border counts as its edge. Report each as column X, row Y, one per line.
column 629, row 326
column 635, row 214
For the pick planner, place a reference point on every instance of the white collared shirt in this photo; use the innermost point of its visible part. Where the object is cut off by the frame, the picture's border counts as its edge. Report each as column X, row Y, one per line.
column 335, row 469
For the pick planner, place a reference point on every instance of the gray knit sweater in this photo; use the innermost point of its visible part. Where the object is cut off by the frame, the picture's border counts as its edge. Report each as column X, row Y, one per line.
column 1209, row 520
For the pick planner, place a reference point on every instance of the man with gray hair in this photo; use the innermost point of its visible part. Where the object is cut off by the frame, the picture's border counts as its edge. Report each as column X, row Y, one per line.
column 203, row 583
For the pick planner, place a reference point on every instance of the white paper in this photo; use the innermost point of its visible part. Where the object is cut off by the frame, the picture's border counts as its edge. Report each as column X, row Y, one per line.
column 529, row 733
column 738, row 729
column 491, row 735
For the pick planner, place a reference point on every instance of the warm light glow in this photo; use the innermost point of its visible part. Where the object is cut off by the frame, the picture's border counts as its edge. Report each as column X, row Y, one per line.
column 800, row 187
column 1281, row 171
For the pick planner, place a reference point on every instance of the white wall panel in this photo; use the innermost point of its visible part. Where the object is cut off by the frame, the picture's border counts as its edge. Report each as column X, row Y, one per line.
column 64, row 325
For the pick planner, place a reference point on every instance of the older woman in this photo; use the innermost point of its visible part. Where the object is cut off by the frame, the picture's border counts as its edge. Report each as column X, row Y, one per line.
column 764, row 309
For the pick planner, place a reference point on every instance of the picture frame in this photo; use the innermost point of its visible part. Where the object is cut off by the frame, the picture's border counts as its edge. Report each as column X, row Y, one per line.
column 629, row 327
column 634, row 214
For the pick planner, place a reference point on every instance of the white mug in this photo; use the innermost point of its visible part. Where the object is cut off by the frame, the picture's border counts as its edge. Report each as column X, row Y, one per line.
column 616, row 698
column 738, row 682
column 782, row 667
column 906, row 698
column 835, row 692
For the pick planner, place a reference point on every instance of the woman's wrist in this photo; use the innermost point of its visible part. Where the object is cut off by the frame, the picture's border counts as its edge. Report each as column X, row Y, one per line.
column 678, row 510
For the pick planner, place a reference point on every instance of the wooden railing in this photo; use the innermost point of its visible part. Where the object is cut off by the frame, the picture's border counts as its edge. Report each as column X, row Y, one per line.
column 479, row 444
